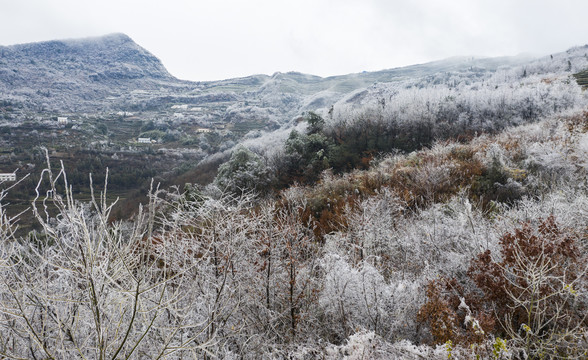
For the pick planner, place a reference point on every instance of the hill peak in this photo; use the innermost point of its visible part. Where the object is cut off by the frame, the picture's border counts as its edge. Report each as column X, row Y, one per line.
column 106, row 40
column 81, row 69
column 95, row 54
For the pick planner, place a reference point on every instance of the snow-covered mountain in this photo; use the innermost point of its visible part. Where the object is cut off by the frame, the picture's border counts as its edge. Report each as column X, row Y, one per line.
column 112, row 72
column 79, row 74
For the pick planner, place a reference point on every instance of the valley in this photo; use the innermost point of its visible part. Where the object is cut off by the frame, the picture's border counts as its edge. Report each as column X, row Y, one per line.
column 113, row 92
column 433, row 211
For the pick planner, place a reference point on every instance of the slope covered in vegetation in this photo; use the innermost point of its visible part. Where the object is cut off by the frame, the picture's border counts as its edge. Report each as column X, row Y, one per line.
column 478, row 246
column 439, row 221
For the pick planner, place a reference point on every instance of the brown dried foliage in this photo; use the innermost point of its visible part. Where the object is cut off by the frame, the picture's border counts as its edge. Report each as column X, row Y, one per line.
column 578, row 123
column 492, row 285
column 446, row 320
column 439, row 316
column 430, row 177
column 546, row 244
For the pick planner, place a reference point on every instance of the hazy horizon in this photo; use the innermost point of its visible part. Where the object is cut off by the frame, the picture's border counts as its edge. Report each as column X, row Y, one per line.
column 203, row 41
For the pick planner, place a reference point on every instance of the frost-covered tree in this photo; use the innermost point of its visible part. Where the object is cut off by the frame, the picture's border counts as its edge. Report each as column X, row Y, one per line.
column 244, row 172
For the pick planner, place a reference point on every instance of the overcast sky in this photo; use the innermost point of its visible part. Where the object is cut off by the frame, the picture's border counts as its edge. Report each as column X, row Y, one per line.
column 219, row 39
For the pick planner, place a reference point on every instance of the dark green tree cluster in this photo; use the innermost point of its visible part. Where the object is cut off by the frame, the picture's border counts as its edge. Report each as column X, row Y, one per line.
column 344, row 147
column 307, row 155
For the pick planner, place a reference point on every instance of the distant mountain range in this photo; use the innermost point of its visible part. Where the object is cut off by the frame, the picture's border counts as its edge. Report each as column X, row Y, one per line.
column 113, row 73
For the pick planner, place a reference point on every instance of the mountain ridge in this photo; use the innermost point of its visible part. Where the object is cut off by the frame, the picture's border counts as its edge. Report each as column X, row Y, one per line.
column 105, row 73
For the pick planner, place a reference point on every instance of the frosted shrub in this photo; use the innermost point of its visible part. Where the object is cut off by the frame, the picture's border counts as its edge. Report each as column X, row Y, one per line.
column 360, row 297
column 551, row 161
column 370, row 227
column 444, row 236
column 567, row 204
column 360, row 345
column 85, row 287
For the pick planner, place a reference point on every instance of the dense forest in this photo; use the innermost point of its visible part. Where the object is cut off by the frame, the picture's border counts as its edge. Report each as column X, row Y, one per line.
column 440, row 217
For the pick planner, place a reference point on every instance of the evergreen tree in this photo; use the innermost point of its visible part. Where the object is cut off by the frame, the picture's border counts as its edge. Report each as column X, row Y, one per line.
column 243, row 172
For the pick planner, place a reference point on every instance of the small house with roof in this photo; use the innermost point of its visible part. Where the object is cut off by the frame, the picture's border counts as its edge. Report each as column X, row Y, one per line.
column 7, row 176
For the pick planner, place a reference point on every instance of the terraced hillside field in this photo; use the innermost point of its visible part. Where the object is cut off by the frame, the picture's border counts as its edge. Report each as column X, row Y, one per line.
column 582, row 78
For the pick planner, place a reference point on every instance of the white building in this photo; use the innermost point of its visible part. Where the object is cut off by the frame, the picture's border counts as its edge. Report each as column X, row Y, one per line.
column 144, row 140
column 62, row 120
column 203, row 130
column 7, row 177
